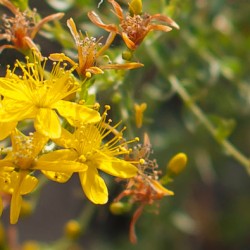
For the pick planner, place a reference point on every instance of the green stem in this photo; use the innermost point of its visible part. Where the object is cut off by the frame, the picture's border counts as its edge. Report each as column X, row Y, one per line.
column 228, row 146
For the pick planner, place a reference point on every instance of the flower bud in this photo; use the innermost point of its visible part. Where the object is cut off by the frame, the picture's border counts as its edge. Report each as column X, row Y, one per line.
column 118, row 208
column 135, row 7
column 72, row 229
column 127, row 55
column 177, row 164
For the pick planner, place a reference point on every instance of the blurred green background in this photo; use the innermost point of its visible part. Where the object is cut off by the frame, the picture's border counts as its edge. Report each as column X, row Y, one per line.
column 210, row 57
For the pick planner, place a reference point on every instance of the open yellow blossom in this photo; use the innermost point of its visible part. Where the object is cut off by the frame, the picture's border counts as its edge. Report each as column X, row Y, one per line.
column 18, row 165
column 86, row 147
column 89, row 51
column 34, row 96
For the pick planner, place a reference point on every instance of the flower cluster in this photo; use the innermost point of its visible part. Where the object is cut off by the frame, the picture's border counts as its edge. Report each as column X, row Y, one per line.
column 41, row 104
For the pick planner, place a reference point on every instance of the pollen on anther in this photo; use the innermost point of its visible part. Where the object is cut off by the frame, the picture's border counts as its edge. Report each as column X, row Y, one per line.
column 141, row 161
column 107, row 107
column 88, row 74
column 137, row 139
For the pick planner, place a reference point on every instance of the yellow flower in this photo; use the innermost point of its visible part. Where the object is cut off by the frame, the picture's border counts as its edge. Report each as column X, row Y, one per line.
column 86, row 147
column 89, row 51
column 34, row 96
column 133, row 26
column 17, row 167
column 21, row 29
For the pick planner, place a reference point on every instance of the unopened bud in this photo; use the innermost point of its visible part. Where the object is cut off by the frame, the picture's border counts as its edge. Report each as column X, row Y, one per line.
column 135, row 7
column 127, row 55
column 177, row 164
column 72, row 229
column 118, row 208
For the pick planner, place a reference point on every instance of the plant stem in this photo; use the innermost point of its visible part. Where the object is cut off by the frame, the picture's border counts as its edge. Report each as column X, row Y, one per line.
column 180, row 90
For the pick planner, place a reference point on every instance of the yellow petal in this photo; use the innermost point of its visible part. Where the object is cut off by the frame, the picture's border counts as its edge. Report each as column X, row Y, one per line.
column 67, row 140
column 6, row 128
column 94, row 70
column 57, row 176
column 61, row 56
column 15, row 207
column 22, row 183
column 94, row 186
column 14, row 110
column 130, row 44
column 160, row 189
column 39, row 142
column 59, row 155
column 63, row 166
column 14, row 88
column 76, row 113
column 1, row 206
column 63, row 160
column 159, row 27
column 132, row 65
column 97, row 21
column 28, row 185
column 48, row 123
column 116, row 167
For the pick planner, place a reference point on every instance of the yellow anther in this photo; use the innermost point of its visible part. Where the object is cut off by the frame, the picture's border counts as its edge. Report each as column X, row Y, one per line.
column 88, row 74
column 107, row 107
column 141, row 161
column 82, row 158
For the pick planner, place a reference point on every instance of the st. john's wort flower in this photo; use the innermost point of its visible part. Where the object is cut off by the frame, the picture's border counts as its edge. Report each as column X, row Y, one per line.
column 134, row 25
column 21, row 29
column 90, row 51
column 39, row 95
column 86, row 146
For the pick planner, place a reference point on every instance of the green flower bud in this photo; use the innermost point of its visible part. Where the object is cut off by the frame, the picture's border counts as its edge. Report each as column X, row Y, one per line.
column 118, row 208
column 127, row 55
column 135, row 7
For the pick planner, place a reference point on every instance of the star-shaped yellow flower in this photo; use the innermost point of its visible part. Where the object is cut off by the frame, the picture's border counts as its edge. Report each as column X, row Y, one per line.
column 86, row 147
column 40, row 95
column 18, row 165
